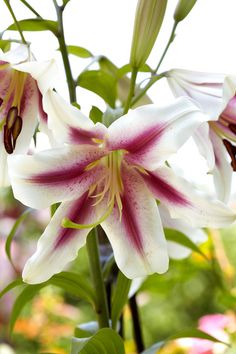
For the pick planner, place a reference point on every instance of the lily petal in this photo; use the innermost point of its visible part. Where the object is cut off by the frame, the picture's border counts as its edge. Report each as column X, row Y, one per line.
column 150, row 134
column 222, row 171
column 175, row 250
column 4, row 178
column 201, row 138
column 211, row 91
column 67, row 122
column 184, row 202
column 54, row 175
column 59, row 246
column 137, row 239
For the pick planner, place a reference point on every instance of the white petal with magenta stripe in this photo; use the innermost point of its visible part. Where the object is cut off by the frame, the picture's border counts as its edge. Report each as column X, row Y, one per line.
column 59, row 246
column 54, row 175
column 137, row 238
column 151, row 134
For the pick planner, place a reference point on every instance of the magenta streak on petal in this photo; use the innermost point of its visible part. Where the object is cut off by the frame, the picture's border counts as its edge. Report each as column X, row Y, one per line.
column 162, row 189
column 146, row 139
column 30, row 89
column 78, row 213
column 130, row 223
column 43, row 115
column 81, row 136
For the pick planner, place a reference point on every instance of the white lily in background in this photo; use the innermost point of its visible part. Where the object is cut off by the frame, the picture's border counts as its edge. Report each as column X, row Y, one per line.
column 20, row 102
column 215, row 94
column 112, row 176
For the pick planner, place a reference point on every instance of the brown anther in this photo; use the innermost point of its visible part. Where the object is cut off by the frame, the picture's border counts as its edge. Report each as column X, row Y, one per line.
column 1, row 101
column 16, row 129
column 231, row 149
column 7, row 140
column 11, row 117
column 232, row 127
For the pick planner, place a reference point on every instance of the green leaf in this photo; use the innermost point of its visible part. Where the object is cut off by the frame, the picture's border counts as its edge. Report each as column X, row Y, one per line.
column 12, row 233
column 79, row 51
column 183, row 240
column 72, row 283
column 125, row 69
column 101, row 83
column 36, row 24
column 105, row 341
column 95, row 114
column 107, row 66
column 5, row 44
column 11, row 286
column 120, row 297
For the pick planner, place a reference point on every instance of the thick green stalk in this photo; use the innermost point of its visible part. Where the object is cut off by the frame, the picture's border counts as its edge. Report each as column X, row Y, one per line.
column 131, row 89
column 7, row 2
column 101, row 305
column 64, row 53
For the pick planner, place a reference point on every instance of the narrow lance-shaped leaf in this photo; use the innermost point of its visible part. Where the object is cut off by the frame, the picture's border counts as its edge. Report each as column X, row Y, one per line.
column 79, row 51
column 120, row 297
column 11, row 286
column 181, row 239
column 12, row 233
column 35, row 24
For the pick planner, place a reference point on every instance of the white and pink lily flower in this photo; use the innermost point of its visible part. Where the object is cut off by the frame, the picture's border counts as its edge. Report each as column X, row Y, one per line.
column 20, row 103
column 113, row 177
column 215, row 94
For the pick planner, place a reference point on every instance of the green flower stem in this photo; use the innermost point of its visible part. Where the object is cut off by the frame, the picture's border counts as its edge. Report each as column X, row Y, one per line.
column 136, row 324
column 171, row 39
column 131, row 89
column 30, row 8
column 7, row 2
column 101, row 305
column 64, row 52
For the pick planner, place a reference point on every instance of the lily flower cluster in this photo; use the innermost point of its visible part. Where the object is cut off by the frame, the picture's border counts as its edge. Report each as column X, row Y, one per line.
column 115, row 176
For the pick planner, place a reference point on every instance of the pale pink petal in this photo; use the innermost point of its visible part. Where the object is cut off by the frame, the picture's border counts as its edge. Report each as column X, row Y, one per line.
column 222, row 171
column 183, row 201
column 151, row 134
column 58, row 246
column 68, row 123
column 137, row 238
column 196, row 235
column 211, row 91
column 54, row 175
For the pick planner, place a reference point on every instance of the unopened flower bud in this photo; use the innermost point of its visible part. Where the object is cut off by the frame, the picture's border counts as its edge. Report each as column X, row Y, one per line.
column 183, row 8
column 148, row 21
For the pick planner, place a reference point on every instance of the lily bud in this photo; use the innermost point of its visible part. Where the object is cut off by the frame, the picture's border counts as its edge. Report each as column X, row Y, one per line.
column 183, row 8
column 148, row 21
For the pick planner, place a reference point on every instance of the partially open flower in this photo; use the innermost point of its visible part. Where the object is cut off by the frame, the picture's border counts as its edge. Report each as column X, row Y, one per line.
column 215, row 94
column 20, row 104
column 112, row 176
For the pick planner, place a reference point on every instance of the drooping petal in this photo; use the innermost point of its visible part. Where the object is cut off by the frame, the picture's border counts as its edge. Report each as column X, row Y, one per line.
column 204, row 145
column 54, row 175
column 17, row 55
column 137, row 238
column 68, row 123
column 58, row 246
column 151, row 134
column 43, row 72
column 211, row 91
column 4, row 178
column 222, row 171
column 196, row 235
column 183, row 201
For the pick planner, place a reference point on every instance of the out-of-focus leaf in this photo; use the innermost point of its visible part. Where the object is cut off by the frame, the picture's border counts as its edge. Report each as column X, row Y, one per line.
column 105, row 341
column 95, row 114
column 11, row 286
column 107, row 66
column 125, row 69
column 120, row 297
column 79, row 51
column 183, row 240
column 86, row 330
column 12, row 233
column 70, row 282
column 188, row 333
column 5, row 44
column 99, row 82
column 35, row 24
